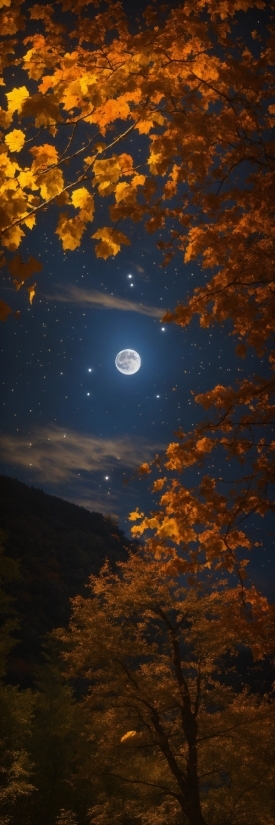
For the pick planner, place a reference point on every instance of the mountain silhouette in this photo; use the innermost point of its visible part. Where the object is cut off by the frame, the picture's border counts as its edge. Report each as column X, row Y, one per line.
column 57, row 546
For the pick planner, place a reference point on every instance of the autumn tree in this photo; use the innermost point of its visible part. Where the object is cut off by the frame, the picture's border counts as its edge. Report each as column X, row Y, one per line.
column 161, row 707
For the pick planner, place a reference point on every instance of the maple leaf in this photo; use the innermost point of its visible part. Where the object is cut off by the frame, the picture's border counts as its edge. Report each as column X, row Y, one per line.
column 107, row 173
column 44, row 109
column 50, row 183
column 110, row 242
column 110, row 111
column 44, row 156
column 13, row 237
column 15, row 140
column 16, row 98
column 83, row 200
column 27, row 180
column 29, row 221
column 70, row 231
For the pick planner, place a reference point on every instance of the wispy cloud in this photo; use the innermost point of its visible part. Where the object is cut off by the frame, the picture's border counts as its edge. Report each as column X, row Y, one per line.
column 73, row 464
column 93, row 298
column 56, row 454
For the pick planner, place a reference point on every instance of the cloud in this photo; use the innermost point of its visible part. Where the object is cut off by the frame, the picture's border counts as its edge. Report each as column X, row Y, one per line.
column 73, row 464
column 93, row 298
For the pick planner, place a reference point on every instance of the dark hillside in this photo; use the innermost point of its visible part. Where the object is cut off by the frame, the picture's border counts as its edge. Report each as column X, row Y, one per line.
column 58, row 545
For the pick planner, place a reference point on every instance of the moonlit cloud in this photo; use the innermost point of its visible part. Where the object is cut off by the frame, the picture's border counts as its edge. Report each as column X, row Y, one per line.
column 56, row 454
column 72, row 464
column 93, row 298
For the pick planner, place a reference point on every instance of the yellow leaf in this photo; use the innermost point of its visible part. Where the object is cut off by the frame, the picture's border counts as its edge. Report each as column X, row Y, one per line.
column 79, row 197
column 82, row 199
column 89, row 160
column 51, row 183
column 121, row 190
column 12, row 237
column 134, row 516
column 144, row 126
column 31, row 291
column 110, row 242
column 109, row 111
column 26, row 180
column 16, row 98
column 70, row 231
column 107, row 173
column 7, row 168
column 15, row 140
column 45, row 155
column 128, row 735
column 138, row 180
column 30, row 221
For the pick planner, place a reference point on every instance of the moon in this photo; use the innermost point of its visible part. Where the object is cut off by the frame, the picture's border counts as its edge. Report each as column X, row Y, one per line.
column 128, row 361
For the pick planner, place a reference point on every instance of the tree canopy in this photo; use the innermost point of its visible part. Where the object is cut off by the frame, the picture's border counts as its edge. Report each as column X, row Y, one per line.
column 197, row 102
column 161, row 706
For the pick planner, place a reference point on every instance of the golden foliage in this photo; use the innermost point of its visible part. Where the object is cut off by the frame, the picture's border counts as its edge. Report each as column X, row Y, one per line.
column 50, row 183
column 16, row 98
column 150, row 647
column 70, row 230
column 110, row 242
column 15, row 140
column 167, row 84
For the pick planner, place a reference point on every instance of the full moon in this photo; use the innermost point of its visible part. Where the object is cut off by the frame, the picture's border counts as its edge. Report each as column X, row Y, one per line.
column 128, row 361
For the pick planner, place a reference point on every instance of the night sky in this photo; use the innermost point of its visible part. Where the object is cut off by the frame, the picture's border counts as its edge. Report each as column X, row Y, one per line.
column 71, row 423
